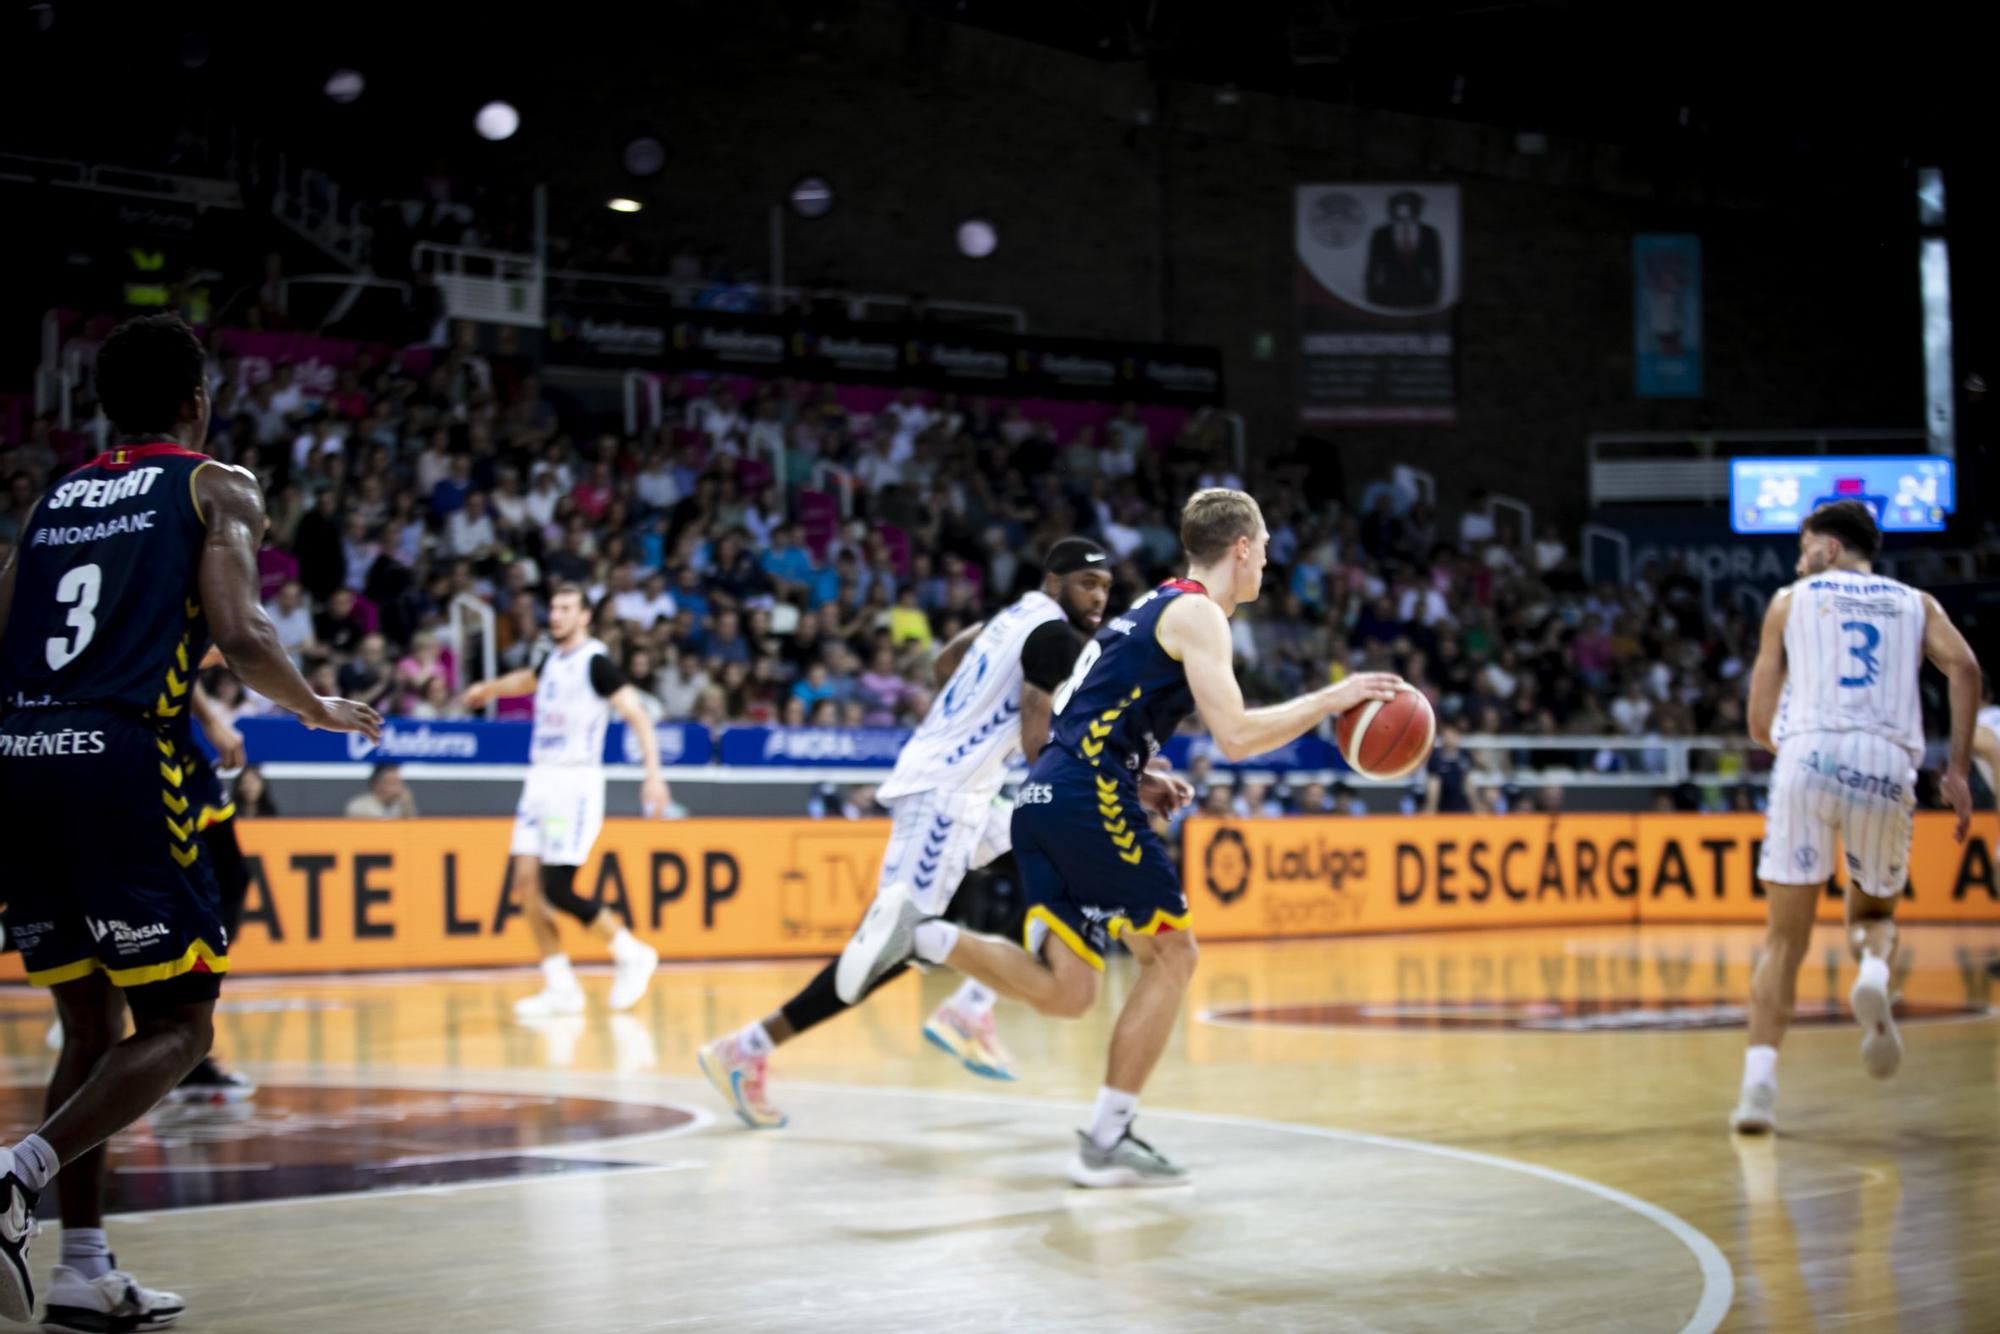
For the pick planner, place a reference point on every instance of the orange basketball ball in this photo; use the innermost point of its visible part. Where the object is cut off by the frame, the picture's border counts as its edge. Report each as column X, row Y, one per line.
column 1388, row 738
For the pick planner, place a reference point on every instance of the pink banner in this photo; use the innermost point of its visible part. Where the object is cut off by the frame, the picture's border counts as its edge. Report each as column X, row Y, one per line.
column 316, row 361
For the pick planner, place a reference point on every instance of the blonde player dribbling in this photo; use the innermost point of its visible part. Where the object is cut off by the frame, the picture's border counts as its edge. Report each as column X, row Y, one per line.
column 1834, row 697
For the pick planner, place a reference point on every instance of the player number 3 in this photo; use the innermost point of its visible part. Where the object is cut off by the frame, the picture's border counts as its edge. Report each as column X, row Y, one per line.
column 1867, row 669
column 77, row 591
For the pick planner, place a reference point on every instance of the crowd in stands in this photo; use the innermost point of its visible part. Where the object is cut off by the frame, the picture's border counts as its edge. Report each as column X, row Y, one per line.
column 392, row 493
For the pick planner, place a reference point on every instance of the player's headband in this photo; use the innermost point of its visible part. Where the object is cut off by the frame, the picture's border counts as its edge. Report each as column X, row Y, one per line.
column 1076, row 553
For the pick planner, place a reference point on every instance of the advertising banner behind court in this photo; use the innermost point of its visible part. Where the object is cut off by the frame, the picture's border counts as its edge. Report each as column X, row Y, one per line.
column 1379, row 290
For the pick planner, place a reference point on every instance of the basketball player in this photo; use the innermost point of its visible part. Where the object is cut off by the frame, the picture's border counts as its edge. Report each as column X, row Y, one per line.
column 214, row 820
column 577, row 688
column 1091, row 866
column 123, row 573
column 1986, row 753
column 997, row 702
column 1834, row 697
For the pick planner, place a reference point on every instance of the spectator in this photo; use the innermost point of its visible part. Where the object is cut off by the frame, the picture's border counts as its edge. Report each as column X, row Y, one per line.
column 469, row 533
column 648, row 606
column 426, row 659
column 292, row 618
column 908, row 623
column 386, row 798
column 317, row 544
column 369, row 677
column 340, row 628
column 1447, row 787
column 815, row 687
column 253, row 795
column 1633, row 710
column 448, row 496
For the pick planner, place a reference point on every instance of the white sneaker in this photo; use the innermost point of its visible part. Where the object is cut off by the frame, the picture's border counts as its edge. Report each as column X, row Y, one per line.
column 550, row 1003
column 17, row 1228
column 634, row 974
column 884, row 939
column 1881, row 1044
column 1128, row 1163
column 1756, row 1111
column 112, row 1302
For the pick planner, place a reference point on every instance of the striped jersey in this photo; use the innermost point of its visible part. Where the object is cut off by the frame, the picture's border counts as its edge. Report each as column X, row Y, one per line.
column 1128, row 694
column 972, row 734
column 572, row 712
column 1854, row 648
column 107, row 601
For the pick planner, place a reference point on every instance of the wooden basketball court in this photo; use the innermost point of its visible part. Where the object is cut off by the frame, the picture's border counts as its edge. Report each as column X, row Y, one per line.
column 1473, row 1131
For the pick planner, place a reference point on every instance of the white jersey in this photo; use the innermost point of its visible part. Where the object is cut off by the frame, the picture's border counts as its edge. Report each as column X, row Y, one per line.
column 570, row 715
column 1989, row 718
column 1854, row 647
column 972, row 734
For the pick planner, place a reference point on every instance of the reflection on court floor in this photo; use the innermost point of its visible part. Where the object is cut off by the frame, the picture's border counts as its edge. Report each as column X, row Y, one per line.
column 1473, row 1131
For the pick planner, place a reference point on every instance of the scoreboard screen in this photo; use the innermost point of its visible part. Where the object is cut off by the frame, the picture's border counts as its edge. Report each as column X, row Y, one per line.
column 1909, row 494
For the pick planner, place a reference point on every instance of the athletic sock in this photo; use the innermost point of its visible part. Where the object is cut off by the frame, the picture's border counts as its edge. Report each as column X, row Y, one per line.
column 755, row 1041
column 973, row 997
column 557, row 974
column 625, row 947
column 35, row 1162
column 1760, row 1065
column 1874, row 971
column 85, row 1250
column 1115, row 1110
column 934, row 940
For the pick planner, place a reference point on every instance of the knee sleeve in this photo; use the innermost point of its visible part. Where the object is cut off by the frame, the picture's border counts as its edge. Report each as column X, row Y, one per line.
column 557, row 892
column 818, row 1002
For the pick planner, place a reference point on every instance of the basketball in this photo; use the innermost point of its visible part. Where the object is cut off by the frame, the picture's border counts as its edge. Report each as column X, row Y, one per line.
column 1388, row 738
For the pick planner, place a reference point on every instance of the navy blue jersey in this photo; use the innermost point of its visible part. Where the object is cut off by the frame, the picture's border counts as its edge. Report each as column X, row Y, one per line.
column 1127, row 693
column 107, row 607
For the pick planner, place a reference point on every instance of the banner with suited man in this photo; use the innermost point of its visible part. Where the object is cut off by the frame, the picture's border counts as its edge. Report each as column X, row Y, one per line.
column 1378, row 303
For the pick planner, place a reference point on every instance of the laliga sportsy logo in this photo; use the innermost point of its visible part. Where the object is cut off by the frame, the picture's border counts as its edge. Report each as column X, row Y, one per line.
column 1227, row 865
column 414, row 743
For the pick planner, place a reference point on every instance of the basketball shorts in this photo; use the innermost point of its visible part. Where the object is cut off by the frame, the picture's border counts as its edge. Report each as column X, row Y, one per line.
column 560, row 814
column 1854, row 786
column 1091, row 866
column 212, row 801
column 105, row 870
column 936, row 837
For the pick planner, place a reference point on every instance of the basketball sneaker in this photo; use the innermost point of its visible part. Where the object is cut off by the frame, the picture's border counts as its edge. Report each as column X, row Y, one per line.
column 1756, row 1111
column 739, row 1078
column 550, row 1003
column 1881, row 1044
column 884, row 939
column 17, row 1229
column 1129, row 1162
column 113, row 1301
column 632, row 974
column 969, row 1040
column 210, row 1083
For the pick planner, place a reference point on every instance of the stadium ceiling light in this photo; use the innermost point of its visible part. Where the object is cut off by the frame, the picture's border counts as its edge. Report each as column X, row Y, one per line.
column 811, row 197
column 344, row 85
column 497, row 120
column 623, row 205
column 977, row 238
column 645, row 157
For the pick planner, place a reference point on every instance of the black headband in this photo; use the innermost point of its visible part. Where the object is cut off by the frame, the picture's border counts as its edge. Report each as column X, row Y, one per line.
column 1076, row 553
